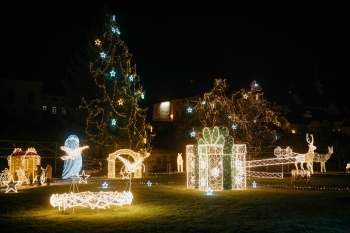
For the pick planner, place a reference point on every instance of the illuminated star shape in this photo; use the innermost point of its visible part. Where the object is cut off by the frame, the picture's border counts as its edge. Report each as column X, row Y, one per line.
column 149, row 183
column 120, row 102
column 209, row 191
column 116, row 31
column 193, row 134
column 97, row 42
column 189, row 110
column 114, row 121
column 234, row 126
column 13, row 188
column 142, row 96
column 131, row 78
column 103, row 55
column 245, row 96
column 105, row 185
column 83, row 177
column 254, row 184
column 112, row 73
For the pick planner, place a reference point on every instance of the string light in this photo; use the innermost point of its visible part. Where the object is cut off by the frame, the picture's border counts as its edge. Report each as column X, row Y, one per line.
column 245, row 113
column 83, row 177
column 216, row 162
column 99, row 200
column 118, row 96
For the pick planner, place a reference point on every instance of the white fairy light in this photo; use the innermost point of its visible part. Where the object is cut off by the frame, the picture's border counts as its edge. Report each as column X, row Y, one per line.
column 254, row 184
column 112, row 73
column 97, row 42
column 83, row 177
column 99, row 200
column 72, row 154
column 209, row 191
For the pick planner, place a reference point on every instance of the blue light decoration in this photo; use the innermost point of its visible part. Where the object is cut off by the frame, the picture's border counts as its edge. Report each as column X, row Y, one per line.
column 131, row 78
column 105, row 185
column 112, row 73
column 209, row 191
column 114, row 121
column 189, row 110
column 193, row 134
column 142, row 96
column 103, row 55
column 149, row 183
column 254, row 121
column 113, row 18
column 72, row 167
column 115, row 31
column 254, row 184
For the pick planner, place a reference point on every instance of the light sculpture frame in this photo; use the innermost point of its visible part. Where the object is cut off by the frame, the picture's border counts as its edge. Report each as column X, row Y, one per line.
column 135, row 155
column 216, row 162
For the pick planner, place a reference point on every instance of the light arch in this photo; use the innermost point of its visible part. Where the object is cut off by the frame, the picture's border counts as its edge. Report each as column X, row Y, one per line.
column 112, row 157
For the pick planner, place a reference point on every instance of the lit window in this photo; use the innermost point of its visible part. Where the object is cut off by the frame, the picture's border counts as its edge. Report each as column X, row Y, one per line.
column 44, row 108
column 64, row 111
column 54, row 110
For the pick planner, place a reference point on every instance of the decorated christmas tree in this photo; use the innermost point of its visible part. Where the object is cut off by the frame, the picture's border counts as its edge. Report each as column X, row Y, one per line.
column 245, row 113
column 115, row 119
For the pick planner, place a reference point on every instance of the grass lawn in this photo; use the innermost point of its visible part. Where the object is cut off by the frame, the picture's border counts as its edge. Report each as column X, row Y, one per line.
column 275, row 205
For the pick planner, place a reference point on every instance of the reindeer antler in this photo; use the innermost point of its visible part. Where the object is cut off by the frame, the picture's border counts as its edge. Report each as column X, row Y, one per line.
column 308, row 139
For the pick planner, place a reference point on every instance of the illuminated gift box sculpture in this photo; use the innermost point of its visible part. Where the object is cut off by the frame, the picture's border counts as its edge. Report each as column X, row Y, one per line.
column 24, row 161
column 215, row 162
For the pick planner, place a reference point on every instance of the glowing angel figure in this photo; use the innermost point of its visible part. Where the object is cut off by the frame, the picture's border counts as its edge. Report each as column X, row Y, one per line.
column 72, row 160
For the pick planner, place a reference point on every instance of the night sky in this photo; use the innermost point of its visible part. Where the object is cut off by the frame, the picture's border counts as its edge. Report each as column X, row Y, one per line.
column 179, row 49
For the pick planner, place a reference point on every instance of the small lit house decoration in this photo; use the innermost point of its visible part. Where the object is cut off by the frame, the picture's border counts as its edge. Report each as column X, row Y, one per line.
column 25, row 162
column 180, row 163
column 138, row 162
column 215, row 162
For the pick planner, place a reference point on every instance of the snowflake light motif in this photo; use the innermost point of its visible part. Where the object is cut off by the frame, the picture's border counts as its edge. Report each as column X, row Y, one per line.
column 215, row 172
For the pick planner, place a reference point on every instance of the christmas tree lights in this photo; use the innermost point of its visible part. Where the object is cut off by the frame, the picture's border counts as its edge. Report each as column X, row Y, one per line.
column 245, row 113
column 115, row 118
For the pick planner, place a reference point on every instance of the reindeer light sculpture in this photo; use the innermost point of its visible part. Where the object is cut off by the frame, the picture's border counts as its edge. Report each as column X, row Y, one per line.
column 308, row 157
column 322, row 158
